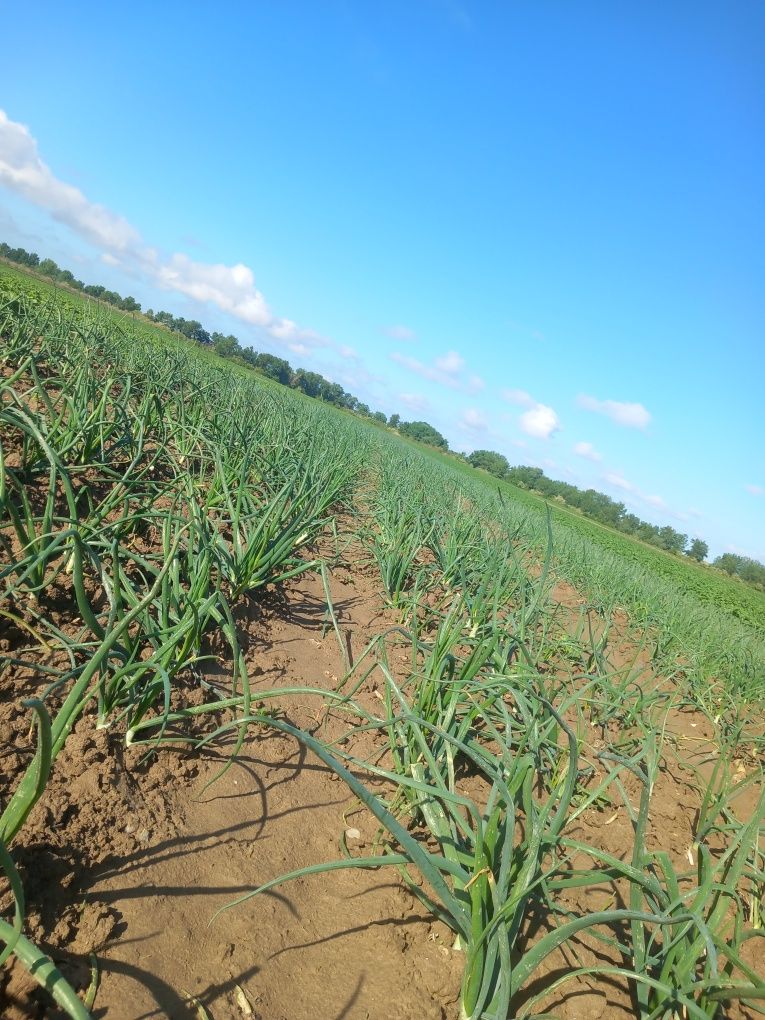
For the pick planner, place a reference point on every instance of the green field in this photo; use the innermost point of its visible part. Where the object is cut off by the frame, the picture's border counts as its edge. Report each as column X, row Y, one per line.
column 152, row 491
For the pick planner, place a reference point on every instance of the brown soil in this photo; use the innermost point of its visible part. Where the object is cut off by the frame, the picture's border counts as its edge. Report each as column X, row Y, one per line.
column 130, row 859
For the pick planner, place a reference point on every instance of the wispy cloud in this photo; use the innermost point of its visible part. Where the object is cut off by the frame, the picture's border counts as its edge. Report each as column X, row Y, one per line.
column 230, row 288
column 474, row 420
column 519, row 397
column 633, row 416
column 414, row 401
column 446, row 370
column 588, row 451
column 451, row 363
column 617, row 480
column 656, row 501
column 755, row 490
column 401, row 333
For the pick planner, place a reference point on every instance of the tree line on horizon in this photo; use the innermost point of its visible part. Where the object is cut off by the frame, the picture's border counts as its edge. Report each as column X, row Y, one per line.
column 227, row 346
column 593, row 504
column 601, row 508
column 596, row 505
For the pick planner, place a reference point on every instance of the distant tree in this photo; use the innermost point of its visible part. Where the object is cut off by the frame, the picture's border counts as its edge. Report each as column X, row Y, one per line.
column 629, row 523
column 749, row 570
column 310, row 383
column 333, row 393
column 753, row 572
column 248, row 355
column 394, row 421
column 226, row 346
column 672, row 540
column 193, row 329
column 48, row 268
column 274, row 368
column 699, row 550
column 423, row 433
column 20, row 255
column 648, row 533
column 495, row 463
column 526, row 477
column 380, row 418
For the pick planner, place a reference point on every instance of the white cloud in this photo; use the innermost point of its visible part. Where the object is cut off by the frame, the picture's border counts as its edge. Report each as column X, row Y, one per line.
column 657, row 501
column 588, row 451
column 613, row 478
column 520, row 443
column 755, row 490
column 618, row 481
column 420, row 368
column 451, row 362
column 540, row 421
column 230, row 288
column 520, row 397
column 399, row 332
column 414, row 401
column 474, row 420
column 633, row 416
column 445, row 371
column 22, row 171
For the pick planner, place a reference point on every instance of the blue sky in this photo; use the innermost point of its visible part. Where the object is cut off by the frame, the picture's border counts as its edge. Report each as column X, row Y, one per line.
column 537, row 226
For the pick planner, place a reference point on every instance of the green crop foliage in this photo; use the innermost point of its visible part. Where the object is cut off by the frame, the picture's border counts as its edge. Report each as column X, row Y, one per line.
column 163, row 489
